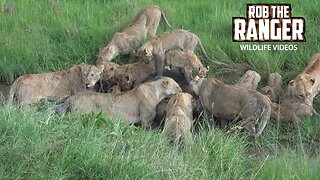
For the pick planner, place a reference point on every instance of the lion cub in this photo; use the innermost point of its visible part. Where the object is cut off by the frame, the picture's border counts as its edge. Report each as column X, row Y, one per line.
column 306, row 85
column 249, row 80
column 128, row 40
column 155, row 49
column 292, row 112
column 179, row 118
column 32, row 88
column 273, row 90
column 127, row 76
column 135, row 106
column 231, row 102
column 187, row 61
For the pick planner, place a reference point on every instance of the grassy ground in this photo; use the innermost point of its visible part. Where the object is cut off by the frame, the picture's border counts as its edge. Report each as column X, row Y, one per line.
column 50, row 35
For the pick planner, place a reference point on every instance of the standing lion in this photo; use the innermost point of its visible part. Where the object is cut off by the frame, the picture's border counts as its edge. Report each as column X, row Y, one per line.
column 231, row 102
column 128, row 40
column 156, row 48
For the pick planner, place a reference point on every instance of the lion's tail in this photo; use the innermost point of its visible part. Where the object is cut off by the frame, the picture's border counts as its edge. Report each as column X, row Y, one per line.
column 207, row 56
column 163, row 16
column 263, row 120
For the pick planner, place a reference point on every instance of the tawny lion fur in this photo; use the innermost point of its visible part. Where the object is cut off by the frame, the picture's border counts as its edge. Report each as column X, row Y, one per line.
column 135, row 106
column 179, row 118
column 187, row 61
column 292, row 112
column 273, row 90
column 156, row 48
column 129, row 39
column 231, row 102
column 32, row 88
column 249, row 80
column 306, row 85
column 128, row 76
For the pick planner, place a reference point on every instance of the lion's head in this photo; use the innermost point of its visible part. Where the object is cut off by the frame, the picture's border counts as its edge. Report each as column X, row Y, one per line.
column 145, row 52
column 108, row 53
column 125, row 82
column 301, row 87
column 202, row 71
column 195, row 84
column 90, row 74
column 169, row 86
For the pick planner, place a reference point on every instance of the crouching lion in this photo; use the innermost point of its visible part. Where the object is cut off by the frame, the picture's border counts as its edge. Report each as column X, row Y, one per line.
column 179, row 118
column 127, row 76
column 273, row 90
column 292, row 112
column 232, row 102
column 135, row 106
column 32, row 88
column 145, row 23
column 249, row 80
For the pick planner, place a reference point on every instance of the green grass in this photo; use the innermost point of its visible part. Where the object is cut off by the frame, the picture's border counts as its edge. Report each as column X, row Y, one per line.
column 38, row 145
column 49, row 35
column 52, row 35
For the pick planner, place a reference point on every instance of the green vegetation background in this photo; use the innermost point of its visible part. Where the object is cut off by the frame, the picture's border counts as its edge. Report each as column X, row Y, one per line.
column 49, row 35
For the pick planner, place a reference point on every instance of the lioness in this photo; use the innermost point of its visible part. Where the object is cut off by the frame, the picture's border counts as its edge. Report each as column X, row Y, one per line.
column 231, row 102
column 145, row 23
column 273, row 90
column 179, row 118
column 32, row 88
column 156, row 48
column 249, row 80
column 135, row 106
column 305, row 85
column 187, row 61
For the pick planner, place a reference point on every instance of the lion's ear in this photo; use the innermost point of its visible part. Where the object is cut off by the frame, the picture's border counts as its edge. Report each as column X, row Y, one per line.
column 312, row 80
column 291, row 83
column 100, row 67
column 81, row 67
column 166, row 83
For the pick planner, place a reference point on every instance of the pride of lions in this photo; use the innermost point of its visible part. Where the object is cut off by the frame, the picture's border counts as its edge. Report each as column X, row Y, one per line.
column 141, row 93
